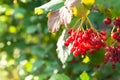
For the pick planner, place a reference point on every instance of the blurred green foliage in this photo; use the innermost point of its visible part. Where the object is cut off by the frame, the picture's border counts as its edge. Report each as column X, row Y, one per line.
column 28, row 50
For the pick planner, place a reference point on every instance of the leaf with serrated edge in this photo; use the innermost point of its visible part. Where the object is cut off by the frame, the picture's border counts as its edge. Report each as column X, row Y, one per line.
column 63, row 52
column 71, row 3
column 54, row 21
column 59, row 17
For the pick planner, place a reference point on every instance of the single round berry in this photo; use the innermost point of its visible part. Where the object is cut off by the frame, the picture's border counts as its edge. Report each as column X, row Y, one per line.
column 70, row 31
column 118, row 39
column 104, row 38
column 103, row 32
column 66, row 43
column 108, row 48
column 117, row 22
column 114, row 35
column 92, row 51
column 85, row 36
column 75, row 53
column 89, row 31
column 107, row 21
column 118, row 29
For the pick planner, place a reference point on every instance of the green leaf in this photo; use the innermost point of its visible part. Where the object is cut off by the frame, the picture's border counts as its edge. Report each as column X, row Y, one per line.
column 31, row 29
column 96, row 17
column 39, row 51
column 105, row 5
column 3, row 27
column 19, row 13
column 37, row 64
column 36, row 50
column 50, row 6
column 84, row 76
column 97, row 57
column 59, row 77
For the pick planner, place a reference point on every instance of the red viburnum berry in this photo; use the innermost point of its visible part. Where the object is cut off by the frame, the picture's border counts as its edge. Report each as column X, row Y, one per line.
column 103, row 32
column 66, row 43
column 118, row 29
column 107, row 21
column 118, row 39
column 75, row 53
column 117, row 21
column 114, row 35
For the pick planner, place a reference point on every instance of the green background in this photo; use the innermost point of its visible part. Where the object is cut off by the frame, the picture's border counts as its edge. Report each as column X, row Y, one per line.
column 28, row 49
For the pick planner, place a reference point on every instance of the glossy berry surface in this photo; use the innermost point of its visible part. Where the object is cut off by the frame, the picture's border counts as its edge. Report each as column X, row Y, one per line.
column 107, row 21
column 114, row 35
column 85, row 41
column 112, row 55
column 118, row 29
column 117, row 22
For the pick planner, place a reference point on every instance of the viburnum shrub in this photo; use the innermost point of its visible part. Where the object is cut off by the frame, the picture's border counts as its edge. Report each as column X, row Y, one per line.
column 82, row 38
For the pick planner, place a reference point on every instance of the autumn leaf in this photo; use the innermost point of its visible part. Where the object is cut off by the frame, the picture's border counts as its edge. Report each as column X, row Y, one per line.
column 59, row 17
column 54, row 21
column 71, row 3
column 88, row 2
column 62, row 16
column 63, row 52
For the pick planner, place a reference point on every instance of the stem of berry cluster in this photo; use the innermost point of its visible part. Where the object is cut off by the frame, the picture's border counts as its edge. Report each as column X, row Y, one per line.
column 76, row 23
column 82, row 21
column 113, row 29
column 113, row 44
column 87, row 25
column 91, row 24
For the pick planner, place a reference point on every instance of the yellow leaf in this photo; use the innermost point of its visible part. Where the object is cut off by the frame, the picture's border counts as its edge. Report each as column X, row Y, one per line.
column 39, row 11
column 49, row 14
column 12, row 29
column 75, row 11
column 80, row 11
column 15, row 74
column 9, row 12
column 28, row 66
column 88, row 2
column 86, row 59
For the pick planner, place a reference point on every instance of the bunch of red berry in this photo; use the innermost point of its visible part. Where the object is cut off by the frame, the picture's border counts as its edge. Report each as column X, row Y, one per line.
column 116, row 22
column 107, row 21
column 116, row 35
column 112, row 55
column 85, row 41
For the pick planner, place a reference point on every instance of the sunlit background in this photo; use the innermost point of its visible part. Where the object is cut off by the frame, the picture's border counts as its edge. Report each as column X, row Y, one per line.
column 28, row 49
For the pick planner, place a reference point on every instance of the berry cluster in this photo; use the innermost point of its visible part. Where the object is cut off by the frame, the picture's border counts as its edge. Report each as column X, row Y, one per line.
column 112, row 55
column 117, row 22
column 85, row 41
column 116, row 35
